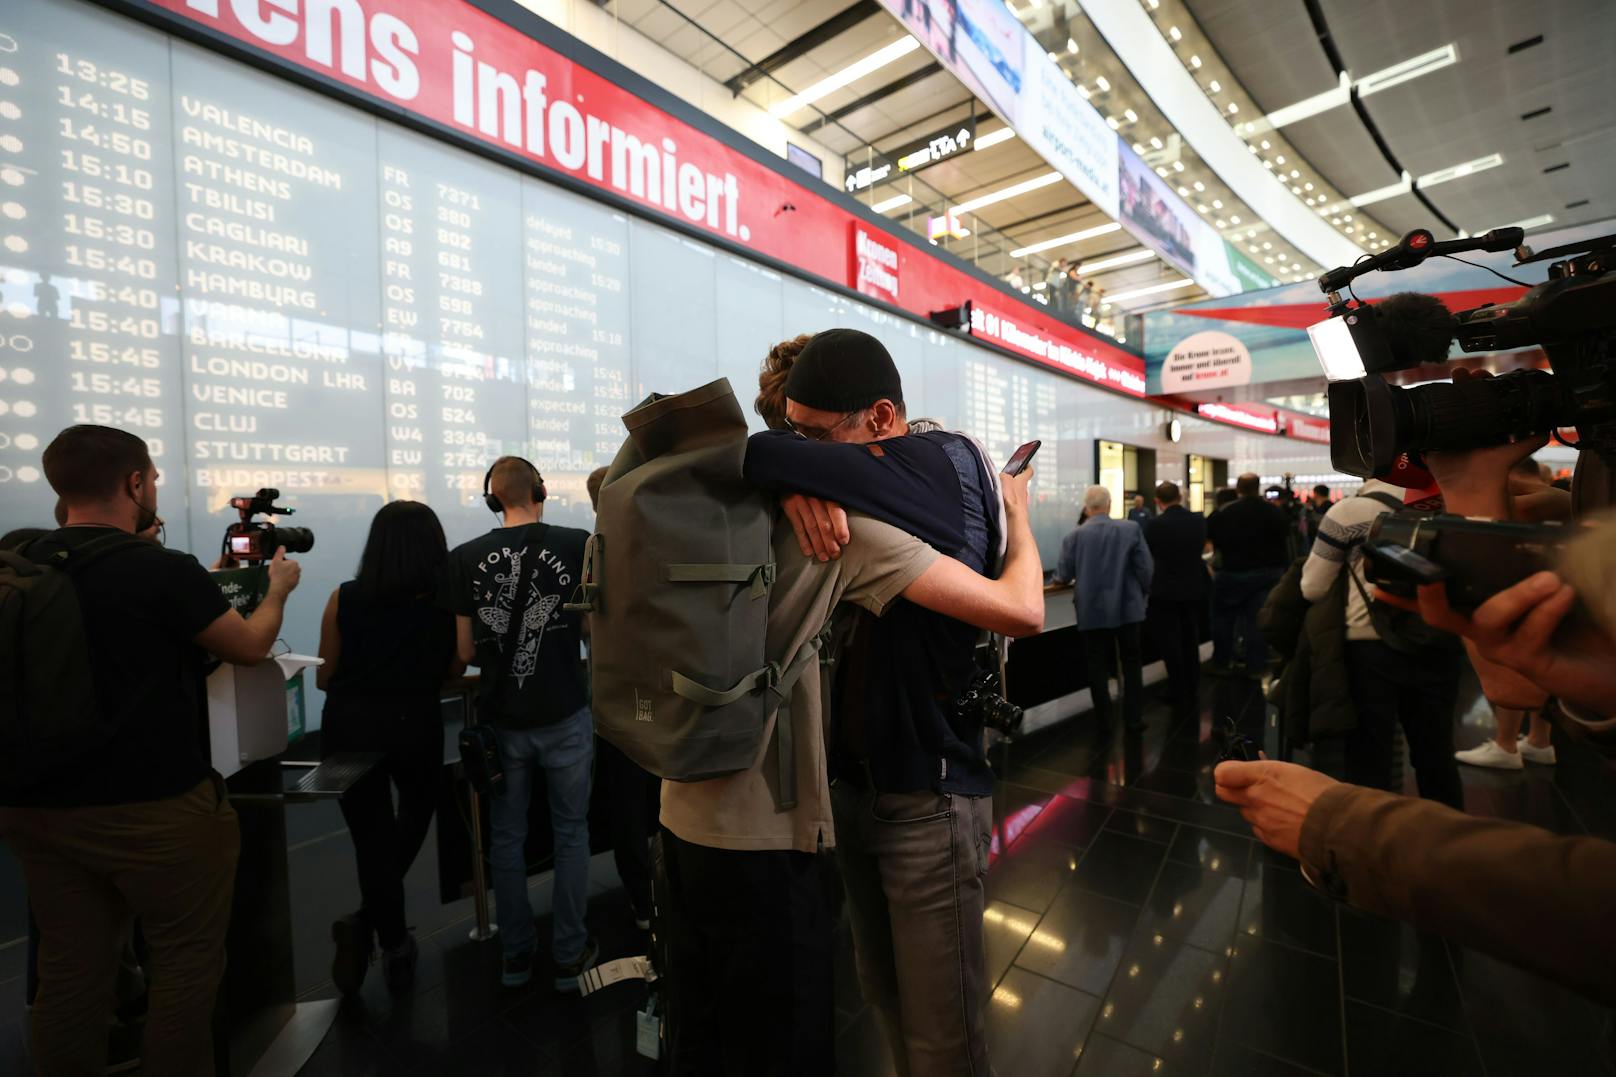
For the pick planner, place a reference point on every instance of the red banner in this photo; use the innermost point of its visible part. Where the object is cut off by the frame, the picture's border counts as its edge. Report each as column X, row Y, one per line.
column 458, row 66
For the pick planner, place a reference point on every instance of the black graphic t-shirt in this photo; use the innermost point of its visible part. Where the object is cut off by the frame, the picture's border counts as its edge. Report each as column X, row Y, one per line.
column 529, row 657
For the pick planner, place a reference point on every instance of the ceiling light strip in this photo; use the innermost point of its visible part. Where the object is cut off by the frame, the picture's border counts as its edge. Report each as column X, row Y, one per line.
column 993, row 138
column 1154, row 289
column 1061, row 241
column 1144, row 254
column 1012, row 191
column 849, row 74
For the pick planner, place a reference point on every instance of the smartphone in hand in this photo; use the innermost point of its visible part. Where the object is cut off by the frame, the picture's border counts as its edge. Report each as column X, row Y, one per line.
column 1021, row 458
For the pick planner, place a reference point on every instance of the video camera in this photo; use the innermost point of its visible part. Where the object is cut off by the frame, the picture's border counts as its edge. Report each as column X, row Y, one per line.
column 1474, row 558
column 253, row 542
column 1572, row 316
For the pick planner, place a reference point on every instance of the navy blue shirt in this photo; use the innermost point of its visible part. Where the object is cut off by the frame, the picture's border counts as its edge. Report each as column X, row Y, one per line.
column 902, row 672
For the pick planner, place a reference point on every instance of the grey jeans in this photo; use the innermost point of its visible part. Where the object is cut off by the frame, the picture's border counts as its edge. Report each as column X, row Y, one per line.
column 914, row 865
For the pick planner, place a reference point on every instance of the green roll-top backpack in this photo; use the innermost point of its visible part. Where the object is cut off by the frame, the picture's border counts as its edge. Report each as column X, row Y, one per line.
column 676, row 587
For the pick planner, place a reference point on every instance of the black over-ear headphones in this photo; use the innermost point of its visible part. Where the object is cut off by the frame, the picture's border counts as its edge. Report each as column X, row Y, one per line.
column 493, row 503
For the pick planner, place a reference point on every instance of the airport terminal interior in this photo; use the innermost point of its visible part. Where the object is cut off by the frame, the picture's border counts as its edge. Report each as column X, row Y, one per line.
column 1300, row 306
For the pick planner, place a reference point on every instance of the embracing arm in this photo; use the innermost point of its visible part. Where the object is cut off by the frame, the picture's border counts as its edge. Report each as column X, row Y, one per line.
column 1013, row 604
column 908, row 482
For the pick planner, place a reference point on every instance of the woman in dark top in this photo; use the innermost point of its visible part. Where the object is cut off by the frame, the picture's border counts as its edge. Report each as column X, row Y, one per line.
column 387, row 649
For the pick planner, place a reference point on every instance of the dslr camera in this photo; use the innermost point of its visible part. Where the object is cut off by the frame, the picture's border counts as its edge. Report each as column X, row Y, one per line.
column 983, row 703
column 253, row 542
column 1571, row 316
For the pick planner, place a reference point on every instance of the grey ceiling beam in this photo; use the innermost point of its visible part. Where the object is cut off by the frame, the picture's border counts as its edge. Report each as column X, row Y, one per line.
column 804, row 43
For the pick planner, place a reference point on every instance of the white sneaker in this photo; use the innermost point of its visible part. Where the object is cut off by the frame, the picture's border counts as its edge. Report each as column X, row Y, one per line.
column 1490, row 753
column 1533, row 754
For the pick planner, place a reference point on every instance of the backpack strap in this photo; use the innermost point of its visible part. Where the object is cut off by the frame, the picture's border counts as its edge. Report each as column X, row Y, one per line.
column 760, row 577
column 586, row 596
column 78, row 558
column 1391, row 501
column 784, row 735
column 699, row 693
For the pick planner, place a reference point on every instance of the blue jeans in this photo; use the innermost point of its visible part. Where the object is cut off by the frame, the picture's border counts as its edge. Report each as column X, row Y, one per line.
column 566, row 751
column 1237, row 598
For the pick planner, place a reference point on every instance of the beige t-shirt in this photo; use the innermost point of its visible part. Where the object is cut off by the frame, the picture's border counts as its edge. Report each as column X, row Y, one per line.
column 741, row 811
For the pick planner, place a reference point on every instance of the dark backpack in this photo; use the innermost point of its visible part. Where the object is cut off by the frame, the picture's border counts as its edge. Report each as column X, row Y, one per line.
column 48, row 711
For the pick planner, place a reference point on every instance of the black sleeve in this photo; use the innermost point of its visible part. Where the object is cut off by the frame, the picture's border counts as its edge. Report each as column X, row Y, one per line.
column 187, row 598
column 908, row 482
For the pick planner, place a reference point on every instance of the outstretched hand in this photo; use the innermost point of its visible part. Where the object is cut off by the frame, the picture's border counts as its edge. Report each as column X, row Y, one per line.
column 821, row 526
column 1273, row 797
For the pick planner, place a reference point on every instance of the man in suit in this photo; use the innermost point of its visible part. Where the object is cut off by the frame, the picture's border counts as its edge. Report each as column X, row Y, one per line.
column 1178, row 592
column 1109, row 566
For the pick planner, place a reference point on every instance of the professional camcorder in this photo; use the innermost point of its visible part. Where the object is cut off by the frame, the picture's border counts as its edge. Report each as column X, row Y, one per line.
column 253, row 542
column 1475, row 559
column 1572, row 316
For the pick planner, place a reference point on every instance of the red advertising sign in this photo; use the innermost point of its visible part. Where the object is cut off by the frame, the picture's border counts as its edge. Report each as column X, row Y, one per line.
column 1038, row 336
column 1249, row 416
column 461, row 67
column 1306, row 429
column 875, row 264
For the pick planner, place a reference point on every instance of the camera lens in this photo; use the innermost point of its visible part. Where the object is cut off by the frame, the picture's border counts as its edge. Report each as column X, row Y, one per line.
column 294, row 539
column 1372, row 422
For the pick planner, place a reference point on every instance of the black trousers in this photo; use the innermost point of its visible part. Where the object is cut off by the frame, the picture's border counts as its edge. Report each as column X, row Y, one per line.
column 1420, row 692
column 386, row 841
column 1102, row 649
column 748, row 940
column 1175, row 626
column 628, row 795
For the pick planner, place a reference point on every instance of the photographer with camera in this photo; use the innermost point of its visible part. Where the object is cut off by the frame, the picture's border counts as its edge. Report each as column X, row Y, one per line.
column 1471, row 879
column 109, row 800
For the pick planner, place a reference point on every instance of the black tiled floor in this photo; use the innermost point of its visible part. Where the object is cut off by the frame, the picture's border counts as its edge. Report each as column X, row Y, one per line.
column 1280, row 907
column 1120, row 867
column 1133, row 926
column 1286, row 1003
column 1081, row 940
column 1386, row 1043
column 1195, row 905
column 1148, row 827
column 1213, row 850
column 1024, row 1001
column 1390, row 965
column 1106, row 1057
column 1166, row 999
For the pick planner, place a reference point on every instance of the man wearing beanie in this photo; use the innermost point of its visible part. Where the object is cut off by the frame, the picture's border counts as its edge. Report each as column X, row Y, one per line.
column 912, row 790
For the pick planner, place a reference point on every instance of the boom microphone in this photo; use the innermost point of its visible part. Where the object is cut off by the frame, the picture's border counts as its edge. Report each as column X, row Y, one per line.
column 1417, row 327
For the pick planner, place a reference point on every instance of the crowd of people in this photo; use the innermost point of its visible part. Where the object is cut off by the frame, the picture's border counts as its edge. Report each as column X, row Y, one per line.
column 896, row 539
column 1069, row 295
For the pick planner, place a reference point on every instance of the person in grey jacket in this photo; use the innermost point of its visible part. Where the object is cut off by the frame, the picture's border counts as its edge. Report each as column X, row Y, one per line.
column 1110, row 567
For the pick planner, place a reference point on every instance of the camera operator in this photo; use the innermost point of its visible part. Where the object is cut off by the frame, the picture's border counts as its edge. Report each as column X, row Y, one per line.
column 136, row 824
column 1434, row 867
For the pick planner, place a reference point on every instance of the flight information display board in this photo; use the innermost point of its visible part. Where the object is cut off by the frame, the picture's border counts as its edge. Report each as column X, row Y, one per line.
column 276, row 289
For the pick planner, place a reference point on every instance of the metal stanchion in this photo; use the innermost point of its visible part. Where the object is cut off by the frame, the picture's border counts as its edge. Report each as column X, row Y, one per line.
column 484, row 929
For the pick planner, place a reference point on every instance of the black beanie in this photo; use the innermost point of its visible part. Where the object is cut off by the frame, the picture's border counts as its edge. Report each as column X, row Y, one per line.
column 843, row 370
